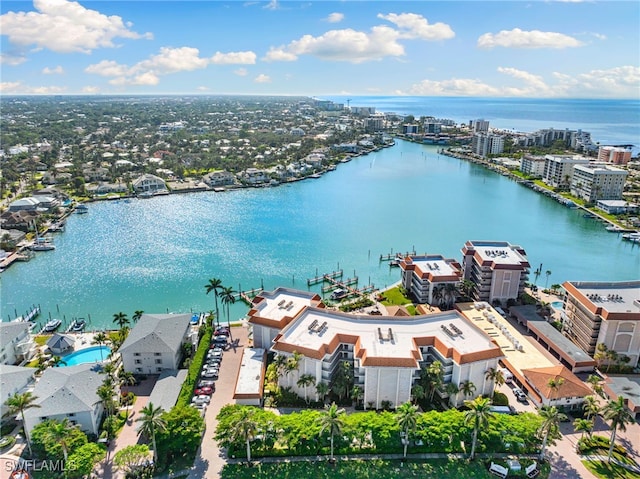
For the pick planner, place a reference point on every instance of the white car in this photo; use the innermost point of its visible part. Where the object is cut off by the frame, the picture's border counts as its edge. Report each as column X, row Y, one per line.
column 209, row 373
column 202, row 399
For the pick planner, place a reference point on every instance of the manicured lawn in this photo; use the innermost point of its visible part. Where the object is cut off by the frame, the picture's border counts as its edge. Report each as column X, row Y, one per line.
column 605, row 470
column 371, row 469
column 394, row 296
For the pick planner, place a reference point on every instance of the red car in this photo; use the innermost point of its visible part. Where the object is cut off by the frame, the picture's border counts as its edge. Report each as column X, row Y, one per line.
column 207, row 391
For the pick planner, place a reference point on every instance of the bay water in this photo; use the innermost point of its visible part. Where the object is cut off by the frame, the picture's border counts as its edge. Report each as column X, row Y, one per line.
column 158, row 254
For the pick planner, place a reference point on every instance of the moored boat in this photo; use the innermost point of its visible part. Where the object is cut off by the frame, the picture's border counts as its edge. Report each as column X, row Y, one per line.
column 82, row 209
column 78, row 325
column 52, row 325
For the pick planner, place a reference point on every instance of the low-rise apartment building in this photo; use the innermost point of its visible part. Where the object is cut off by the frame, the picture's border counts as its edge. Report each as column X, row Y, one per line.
column 595, row 181
column 558, row 169
column 426, row 277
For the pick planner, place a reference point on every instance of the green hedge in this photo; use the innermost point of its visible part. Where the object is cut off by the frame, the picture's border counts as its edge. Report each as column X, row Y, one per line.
column 373, row 432
column 186, row 393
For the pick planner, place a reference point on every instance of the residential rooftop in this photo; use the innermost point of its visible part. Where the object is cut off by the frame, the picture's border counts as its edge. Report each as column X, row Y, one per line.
column 250, row 381
column 610, row 297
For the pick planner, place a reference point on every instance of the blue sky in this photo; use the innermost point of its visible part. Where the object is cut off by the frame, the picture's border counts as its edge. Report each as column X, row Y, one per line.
column 537, row 49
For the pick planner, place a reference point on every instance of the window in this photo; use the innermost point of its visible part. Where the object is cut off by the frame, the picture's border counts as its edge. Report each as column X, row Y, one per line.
column 138, row 370
column 136, row 354
column 158, row 361
column 157, row 354
column 72, row 414
column 158, row 370
column 137, row 361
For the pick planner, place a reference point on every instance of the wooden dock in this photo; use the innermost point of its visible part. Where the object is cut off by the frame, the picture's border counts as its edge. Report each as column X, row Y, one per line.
column 339, row 284
column 392, row 256
column 247, row 296
column 325, row 277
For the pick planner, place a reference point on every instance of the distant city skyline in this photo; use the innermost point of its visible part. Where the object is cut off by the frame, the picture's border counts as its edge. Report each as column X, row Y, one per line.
column 536, row 49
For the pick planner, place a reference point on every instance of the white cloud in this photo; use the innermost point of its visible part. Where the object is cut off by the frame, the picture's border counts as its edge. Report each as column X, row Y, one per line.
column 335, row 17
column 262, row 78
column 234, row 58
column 203, row 88
column 355, row 46
column 11, row 59
column 168, row 60
column 452, row 87
column 19, row 88
column 241, row 72
column 619, row 82
column 53, row 71
column 343, row 45
column 65, row 27
column 90, row 89
column 517, row 38
column 272, row 5
column 107, row 68
column 413, row 25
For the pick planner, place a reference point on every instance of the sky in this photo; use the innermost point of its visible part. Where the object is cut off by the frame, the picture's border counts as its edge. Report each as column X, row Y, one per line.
column 533, row 49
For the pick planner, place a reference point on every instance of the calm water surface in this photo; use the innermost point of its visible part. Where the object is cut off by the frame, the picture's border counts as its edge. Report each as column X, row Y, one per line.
column 156, row 255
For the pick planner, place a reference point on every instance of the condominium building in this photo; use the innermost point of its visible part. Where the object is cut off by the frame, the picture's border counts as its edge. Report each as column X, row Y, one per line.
column 386, row 353
column 484, row 144
column 426, row 277
column 558, row 169
column 533, row 165
column 595, row 181
column 614, row 154
column 498, row 269
column 479, row 126
column 604, row 313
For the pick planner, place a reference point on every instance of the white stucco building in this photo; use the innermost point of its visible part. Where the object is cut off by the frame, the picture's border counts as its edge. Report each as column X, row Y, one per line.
column 427, row 277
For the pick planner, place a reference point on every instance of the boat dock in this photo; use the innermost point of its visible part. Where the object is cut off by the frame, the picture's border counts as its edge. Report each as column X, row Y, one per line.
column 339, row 284
column 392, row 256
column 30, row 315
column 247, row 296
column 324, row 277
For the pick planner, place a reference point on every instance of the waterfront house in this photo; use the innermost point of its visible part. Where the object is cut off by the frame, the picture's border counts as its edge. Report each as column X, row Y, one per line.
column 254, row 176
column 148, row 182
column 498, row 269
column 16, row 343
column 13, row 379
column 68, row 392
column 155, row 343
column 219, row 178
column 60, row 343
column 20, row 220
column 617, row 207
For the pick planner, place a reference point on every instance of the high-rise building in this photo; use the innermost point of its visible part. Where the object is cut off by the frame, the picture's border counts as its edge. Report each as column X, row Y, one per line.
column 594, row 182
column 484, row 144
column 614, row 154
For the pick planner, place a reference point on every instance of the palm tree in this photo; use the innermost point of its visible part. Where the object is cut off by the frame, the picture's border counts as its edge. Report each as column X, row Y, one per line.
column 583, row 425
column 19, row 403
column 452, row 390
column 616, row 411
column 547, row 274
column 60, row 432
column 591, row 406
column 450, row 293
column 418, row 392
column 100, row 339
column 291, row 364
column 228, row 298
column 467, row 388
column 137, row 315
column 407, row 417
column 215, row 285
column 551, row 418
column 435, row 374
column 56, row 361
column 322, row 389
column 331, row 420
column 467, row 287
column 151, row 421
column 595, row 381
column 496, row 376
column 478, row 415
column 245, row 428
column 357, row 394
column 554, row 386
column 120, row 319
column 106, row 392
column 304, row 381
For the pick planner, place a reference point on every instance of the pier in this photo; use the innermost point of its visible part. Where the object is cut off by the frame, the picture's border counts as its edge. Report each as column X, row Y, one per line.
column 324, row 277
column 398, row 256
column 333, row 284
column 247, row 296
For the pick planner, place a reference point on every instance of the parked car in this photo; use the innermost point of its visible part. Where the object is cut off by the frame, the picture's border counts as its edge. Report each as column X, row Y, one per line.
column 221, row 330
column 201, row 399
column 210, row 373
column 204, row 391
column 221, row 339
column 520, row 395
column 207, row 383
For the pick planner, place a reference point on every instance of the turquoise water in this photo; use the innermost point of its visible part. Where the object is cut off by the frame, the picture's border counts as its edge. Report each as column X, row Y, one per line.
column 557, row 304
column 93, row 354
column 157, row 254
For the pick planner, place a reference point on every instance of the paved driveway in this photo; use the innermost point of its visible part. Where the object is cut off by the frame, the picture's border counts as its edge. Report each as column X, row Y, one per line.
column 210, row 459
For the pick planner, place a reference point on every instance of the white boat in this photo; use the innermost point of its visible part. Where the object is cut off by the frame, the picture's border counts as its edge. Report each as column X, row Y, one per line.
column 145, row 194
column 635, row 236
column 52, row 325
column 42, row 246
column 82, row 209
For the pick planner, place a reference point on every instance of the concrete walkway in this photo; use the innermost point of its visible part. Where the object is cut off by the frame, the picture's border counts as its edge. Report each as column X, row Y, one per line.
column 129, row 434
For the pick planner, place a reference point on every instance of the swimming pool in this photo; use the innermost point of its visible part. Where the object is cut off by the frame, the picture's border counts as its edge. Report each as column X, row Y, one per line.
column 94, row 354
column 557, row 304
